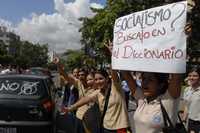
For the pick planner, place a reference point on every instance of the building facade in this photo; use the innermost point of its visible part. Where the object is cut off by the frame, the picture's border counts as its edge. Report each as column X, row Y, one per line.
column 7, row 37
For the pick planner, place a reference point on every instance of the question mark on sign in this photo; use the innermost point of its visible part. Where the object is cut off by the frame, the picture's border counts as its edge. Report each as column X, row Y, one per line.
column 181, row 13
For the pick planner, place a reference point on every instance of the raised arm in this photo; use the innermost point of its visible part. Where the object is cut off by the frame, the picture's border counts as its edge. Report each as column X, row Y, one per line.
column 69, row 77
column 82, row 101
column 126, row 75
column 79, row 103
column 175, row 79
column 114, row 73
column 130, row 80
column 174, row 88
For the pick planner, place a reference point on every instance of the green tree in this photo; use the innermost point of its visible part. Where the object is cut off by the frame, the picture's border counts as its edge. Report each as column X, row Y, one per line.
column 194, row 40
column 3, row 48
column 98, row 30
column 32, row 55
column 73, row 58
column 23, row 53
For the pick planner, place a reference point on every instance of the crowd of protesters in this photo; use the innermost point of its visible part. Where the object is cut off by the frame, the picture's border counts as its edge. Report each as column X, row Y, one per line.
column 111, row 89
column 107, row 92
column 11, row 69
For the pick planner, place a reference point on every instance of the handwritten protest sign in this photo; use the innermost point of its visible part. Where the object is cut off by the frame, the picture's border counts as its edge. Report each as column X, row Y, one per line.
column 152, row 40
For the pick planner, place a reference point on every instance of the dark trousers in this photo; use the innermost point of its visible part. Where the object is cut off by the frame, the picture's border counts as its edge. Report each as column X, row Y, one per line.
column 69, row 123
column 116, row 131
column 194, row 126
column 79, row 128
column 109, row 131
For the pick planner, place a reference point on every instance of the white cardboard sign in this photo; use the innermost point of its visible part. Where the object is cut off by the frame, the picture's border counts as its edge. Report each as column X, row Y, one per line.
column 152, row 40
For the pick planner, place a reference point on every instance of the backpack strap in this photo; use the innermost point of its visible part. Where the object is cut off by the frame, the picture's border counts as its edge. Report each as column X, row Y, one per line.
column 104, row 109
column 165, row 116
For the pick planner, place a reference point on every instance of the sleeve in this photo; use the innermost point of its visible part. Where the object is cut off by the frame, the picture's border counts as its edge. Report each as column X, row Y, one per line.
column 94, row 96
column 116, row 85
column 186, row 94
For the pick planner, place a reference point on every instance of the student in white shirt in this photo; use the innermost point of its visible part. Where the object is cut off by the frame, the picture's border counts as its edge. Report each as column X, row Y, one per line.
column 192, row 100
column 156, row 86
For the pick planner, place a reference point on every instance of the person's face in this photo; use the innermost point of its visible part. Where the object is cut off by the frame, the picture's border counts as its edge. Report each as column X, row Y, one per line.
column 81, row 75
column 149, row 84
column 100, row 81
column 193, row 78
column 90, row 80
column 75, row 73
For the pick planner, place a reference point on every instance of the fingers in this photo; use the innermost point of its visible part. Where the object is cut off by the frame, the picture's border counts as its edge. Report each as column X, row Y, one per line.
column 109, row 42
column 188, row 29
column 56, row 60
column 105, row 44
column 65, row 110
column 109, row 46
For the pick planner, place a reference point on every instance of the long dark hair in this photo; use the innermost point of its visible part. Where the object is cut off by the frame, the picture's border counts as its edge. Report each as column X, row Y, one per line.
column 104, row 73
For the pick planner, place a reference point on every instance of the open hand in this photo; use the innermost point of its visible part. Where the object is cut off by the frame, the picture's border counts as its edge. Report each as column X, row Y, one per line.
column 56, row 60
column 109, row 46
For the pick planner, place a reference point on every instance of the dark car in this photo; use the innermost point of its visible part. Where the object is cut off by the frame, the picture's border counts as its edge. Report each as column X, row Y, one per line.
column 40, row 71
column 26, row 104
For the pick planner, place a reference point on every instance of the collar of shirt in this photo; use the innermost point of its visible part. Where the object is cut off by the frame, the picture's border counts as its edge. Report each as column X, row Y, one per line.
column 155, row 101
column 195, row 90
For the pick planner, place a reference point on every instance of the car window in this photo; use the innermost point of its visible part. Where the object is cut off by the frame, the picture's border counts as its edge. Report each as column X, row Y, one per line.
column 21, row 88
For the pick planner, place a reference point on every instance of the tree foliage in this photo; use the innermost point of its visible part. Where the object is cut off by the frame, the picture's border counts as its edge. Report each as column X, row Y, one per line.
column 24, row 54
column 3, row 48
column 74, row 58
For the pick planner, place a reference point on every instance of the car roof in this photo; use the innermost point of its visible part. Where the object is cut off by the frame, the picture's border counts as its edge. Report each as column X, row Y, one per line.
column 23, row 76
column 38, row 68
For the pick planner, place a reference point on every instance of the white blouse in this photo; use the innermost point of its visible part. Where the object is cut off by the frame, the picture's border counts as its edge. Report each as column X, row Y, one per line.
column 192, row 98
column 148, row 116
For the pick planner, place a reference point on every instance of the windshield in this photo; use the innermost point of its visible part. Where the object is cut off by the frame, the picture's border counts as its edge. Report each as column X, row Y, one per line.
column 21, row 88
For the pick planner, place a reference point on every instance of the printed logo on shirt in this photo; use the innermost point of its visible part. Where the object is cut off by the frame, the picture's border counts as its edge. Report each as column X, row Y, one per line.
column 156, row 119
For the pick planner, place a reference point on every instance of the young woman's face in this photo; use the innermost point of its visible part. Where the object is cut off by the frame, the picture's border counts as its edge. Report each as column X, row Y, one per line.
column 90, row 80
column 100, row 81
column 193, row 78
column 75, row 72
column 149, row 84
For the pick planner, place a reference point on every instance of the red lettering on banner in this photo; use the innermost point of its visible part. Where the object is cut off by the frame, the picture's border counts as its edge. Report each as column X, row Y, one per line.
column 129, row 50
column 115, row 53
column 121, row 37
column 167, row 54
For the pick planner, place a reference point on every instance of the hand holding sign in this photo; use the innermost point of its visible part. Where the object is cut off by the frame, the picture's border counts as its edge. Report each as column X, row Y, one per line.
column 152, row 40
column 188, row 29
